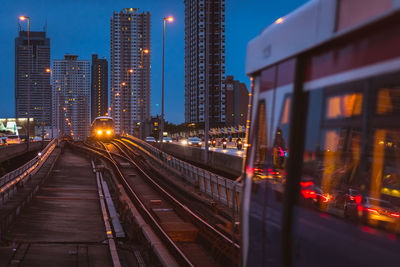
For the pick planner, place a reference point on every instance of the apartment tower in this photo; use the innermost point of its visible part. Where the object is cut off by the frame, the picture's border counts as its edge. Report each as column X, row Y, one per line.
column 130, row 69
column 71, row 96
column 205, row 60
column 33, row 61
column 99, row 88
column 237, row 100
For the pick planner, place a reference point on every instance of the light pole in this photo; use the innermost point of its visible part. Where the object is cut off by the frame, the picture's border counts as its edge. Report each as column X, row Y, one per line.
column 142, row 120
column 46, row 71
column 169, row 19
column 22, row 18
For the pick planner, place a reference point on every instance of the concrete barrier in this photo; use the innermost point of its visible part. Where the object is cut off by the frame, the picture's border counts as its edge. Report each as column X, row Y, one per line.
column 219, row 161
column 12, row 151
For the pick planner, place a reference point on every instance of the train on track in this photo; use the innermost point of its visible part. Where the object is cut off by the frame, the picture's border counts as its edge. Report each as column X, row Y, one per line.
column 102, row 128
column 321, row 185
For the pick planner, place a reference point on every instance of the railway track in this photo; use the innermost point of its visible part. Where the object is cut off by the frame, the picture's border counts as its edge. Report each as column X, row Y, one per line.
column 191, row 239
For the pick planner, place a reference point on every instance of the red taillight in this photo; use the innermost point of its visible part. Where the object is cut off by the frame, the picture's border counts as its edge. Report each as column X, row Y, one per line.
column 306, row 184
column 394, row 214
column 372, row 210
column 309, row 194
column 358, row 199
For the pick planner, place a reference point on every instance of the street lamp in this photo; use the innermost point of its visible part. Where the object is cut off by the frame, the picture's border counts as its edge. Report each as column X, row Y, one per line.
column 22, row 18
column 141, row 102
column 47, row 71
column 169, row 19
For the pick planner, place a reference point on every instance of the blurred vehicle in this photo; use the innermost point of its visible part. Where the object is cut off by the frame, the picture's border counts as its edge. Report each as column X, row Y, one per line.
column 347, row 197
column 37, row 139
column 194, row 141
column 103, row 128
column 374, row 211
column 224, row 142
column 150, row 139
column 239, row 144
column 167, row 139
column 13, row 139
column 212, row 142
column 314, row 194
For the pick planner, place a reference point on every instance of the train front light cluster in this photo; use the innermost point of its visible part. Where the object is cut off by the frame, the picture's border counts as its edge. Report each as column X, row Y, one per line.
column 108, row 132
column 99, row 132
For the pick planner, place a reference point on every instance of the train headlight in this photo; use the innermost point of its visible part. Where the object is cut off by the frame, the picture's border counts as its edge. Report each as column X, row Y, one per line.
column 108, row 132
column 99, row 132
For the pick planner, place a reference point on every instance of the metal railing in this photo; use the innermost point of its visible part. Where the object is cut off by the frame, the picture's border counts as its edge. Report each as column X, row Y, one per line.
column 9, row 182
column 220, row 189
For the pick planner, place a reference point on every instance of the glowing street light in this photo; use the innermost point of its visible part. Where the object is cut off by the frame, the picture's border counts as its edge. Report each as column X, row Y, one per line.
column 169, row 19
column 22, row 18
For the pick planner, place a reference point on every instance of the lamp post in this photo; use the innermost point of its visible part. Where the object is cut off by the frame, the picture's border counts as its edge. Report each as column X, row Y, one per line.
column 169, row 19
column 142, row 120
column 22, row 18
column 46, row 71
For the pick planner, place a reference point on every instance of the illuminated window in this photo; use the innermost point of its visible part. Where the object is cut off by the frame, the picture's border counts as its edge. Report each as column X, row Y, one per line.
column 344, row 106
column 388, row 101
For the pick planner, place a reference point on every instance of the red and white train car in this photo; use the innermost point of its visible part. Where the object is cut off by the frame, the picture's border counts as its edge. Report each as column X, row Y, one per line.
column 322, row 176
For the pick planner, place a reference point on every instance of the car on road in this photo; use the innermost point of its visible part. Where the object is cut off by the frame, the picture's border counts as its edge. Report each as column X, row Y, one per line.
column 13, row 139
column 150, row 139
column 375, row 212
column 194, row 141
column 167, row 139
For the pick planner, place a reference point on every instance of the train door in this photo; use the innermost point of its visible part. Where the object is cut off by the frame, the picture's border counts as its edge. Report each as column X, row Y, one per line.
column 266, row 168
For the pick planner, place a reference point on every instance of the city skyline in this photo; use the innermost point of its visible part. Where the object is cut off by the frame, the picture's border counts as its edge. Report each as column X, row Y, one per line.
column 85, row 33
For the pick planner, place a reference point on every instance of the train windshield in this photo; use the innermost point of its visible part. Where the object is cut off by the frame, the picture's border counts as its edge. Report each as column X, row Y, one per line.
column 104, row 123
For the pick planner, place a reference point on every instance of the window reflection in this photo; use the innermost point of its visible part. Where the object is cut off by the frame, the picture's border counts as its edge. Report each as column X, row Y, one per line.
column 344, row 106
column 388, row 101
column 350, row 172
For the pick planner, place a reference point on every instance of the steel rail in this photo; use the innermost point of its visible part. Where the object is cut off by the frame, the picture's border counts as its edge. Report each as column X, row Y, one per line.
column 110, row 157
column 194, row 216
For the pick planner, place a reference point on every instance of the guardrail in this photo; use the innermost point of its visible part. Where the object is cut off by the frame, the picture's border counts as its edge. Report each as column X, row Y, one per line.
column 10, row 181
column 220, row 189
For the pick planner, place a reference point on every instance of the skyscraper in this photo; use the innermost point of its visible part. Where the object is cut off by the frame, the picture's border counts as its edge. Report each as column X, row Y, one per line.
column 71, row 96
column 99, row 87
column 237, row 100
column 205, row 60
column 34, row 60
column 130, row 68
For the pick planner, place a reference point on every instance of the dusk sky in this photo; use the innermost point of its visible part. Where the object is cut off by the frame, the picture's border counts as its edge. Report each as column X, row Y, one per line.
column 82, row 27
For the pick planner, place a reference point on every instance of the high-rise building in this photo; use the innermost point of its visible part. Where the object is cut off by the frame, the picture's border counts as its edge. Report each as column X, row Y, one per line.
column 237, row 100
column 99, row 87
column 33, row 60
column 205, row 60
column 130, row 69
column 71, row 96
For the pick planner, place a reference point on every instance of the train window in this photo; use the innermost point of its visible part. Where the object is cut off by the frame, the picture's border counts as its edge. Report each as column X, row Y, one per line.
column 349, row 199
column 388, row 101
column 268, row 162
column 261, row 142
column 345, row 105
